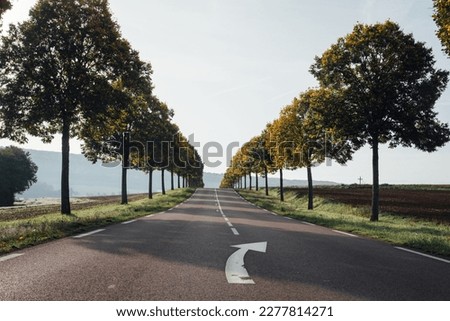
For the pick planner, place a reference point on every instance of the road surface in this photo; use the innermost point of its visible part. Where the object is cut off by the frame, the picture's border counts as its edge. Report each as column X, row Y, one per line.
column 216, row 246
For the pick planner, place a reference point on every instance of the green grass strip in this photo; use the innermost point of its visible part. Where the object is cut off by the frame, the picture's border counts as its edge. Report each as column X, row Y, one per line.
column 412, row 233
column 18, row 234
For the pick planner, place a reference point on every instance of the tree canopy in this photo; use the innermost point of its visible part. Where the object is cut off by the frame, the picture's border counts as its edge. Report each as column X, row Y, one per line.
column 441, row 17
column 311, row 141
column 377, row 85
column 58, row 71
column 17, row 172
column 4, row 6
column 388, row 85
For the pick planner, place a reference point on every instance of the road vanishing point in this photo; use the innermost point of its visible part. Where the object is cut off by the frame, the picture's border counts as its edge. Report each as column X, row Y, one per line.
column 217, row 246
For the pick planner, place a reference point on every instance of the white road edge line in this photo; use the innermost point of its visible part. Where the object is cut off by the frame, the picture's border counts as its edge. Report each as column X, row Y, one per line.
column 128, row 222
column 422, row 254
column 156, row 214
column 344, row 233
column 229, row 224
column 307, row 223
column 87, row 234
column 10, row 257
column 235, row 232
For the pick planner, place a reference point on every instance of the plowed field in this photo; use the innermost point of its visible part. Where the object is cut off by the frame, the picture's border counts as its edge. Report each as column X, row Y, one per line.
column 421, row 203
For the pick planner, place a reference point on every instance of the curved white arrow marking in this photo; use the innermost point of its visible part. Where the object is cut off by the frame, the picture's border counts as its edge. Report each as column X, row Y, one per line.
column 235, row 270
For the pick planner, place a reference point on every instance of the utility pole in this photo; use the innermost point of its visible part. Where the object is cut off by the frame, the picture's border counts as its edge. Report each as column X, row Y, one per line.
column 360, row 180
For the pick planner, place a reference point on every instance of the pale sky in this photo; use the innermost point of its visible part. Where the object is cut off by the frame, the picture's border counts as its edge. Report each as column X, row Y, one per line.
column 227, row 67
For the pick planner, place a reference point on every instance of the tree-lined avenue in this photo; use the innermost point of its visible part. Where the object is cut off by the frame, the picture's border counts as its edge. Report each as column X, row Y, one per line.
column 182, row 255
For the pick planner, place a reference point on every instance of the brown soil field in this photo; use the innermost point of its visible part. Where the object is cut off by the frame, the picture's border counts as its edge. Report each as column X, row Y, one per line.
column 25, row 212
column 420, row 203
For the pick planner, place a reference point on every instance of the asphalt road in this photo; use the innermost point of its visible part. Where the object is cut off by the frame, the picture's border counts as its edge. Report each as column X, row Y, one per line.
column 187, row 253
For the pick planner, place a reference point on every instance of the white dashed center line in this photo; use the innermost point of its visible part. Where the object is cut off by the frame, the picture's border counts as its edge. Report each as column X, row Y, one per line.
column 235, row 232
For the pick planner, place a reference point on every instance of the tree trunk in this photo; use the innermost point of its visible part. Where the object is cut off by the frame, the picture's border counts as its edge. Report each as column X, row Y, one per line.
column 124, row 186
column 125, row 165
column 65, row 191
column 281, row 186
column 163, row 184
column 171, row 180
column 256, row 181
column 245, row 181
column 376, row 182
column 150, row 184
column 7, row 198
column 178, row 178
column 184, row 182
column 310, row 189
column 267, row 180
column 250, row 180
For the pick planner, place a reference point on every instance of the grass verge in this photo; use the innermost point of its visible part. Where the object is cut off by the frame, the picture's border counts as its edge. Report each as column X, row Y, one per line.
column 21, row 233
column 412, row 233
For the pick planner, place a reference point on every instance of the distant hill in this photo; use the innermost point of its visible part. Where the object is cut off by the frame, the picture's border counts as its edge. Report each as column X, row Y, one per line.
column 87, row 179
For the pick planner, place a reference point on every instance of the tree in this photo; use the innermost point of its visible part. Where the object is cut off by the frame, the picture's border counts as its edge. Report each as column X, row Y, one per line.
column 170, row 152
column 388, row 86
column 181, row 153
column 112, row 137
column 4, row 6
column 441, row 17
column 233, row 173
column 195, row 169
column 157, row 132
column 262, row 156
column 185, row 161
column 236, row 171
column 18, row 173
column 58, row 71
column 265, row 158
column 248, row 162
column 303, row 122
column 147, row 123
column 282, row 133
